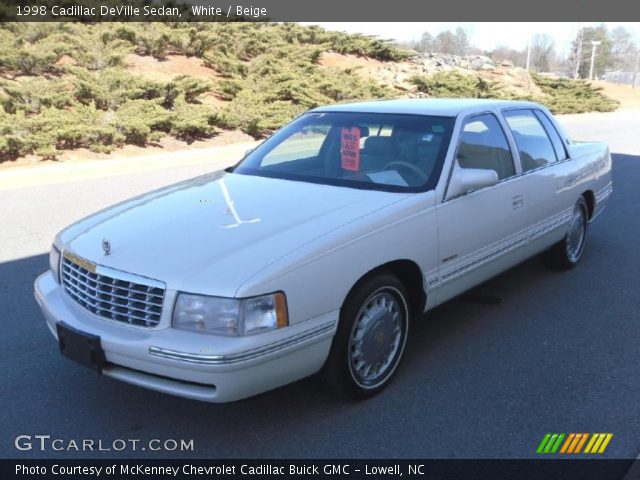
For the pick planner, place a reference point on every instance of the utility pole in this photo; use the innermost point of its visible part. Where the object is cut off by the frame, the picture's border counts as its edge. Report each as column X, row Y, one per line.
column 528, row 54
column 594, row 44
column 578, row 58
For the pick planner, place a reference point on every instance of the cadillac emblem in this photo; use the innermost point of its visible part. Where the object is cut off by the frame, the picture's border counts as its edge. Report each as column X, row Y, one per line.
column 106, row 246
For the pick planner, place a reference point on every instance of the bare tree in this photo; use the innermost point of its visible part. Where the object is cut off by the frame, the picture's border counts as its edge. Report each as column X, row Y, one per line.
column 454, row 43
column 502, row 53
column 445, row 42
column 623, row 49
column 542, row 52
column 577, row 54
column 425, row 44
column 451, row 42
column 462, row 41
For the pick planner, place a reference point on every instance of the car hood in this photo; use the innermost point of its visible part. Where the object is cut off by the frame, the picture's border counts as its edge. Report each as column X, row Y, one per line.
column 210, row 234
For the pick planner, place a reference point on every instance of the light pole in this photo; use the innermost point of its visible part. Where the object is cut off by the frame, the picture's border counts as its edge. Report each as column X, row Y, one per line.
column 594, row 44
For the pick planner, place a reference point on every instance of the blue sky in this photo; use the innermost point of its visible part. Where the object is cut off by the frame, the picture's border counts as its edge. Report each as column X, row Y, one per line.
column 486, row 35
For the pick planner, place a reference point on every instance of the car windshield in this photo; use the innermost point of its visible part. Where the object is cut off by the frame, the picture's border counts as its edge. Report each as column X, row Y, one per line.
column 390, row 152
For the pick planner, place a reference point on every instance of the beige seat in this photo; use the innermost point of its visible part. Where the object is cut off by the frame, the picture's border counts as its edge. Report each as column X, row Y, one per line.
column 378, row 152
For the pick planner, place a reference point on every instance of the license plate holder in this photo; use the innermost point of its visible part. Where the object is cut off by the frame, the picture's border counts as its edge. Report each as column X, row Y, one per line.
column 83, row 348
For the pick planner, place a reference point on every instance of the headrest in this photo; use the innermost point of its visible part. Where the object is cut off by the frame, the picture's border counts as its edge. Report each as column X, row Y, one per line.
column 364, row 131
column 381, row 146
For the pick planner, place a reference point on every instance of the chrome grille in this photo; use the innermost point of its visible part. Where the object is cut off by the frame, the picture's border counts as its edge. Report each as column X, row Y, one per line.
column 115, row 298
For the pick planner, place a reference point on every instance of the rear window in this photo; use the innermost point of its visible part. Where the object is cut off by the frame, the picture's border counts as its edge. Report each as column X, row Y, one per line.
column 534, row 146
column 558, row 145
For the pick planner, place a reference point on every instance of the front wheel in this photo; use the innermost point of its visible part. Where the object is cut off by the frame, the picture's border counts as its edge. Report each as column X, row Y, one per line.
column 371, row 337
column 567, row 252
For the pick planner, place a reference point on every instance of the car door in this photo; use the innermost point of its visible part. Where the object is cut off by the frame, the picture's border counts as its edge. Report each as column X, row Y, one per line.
column 547, row 173
column 481, row 232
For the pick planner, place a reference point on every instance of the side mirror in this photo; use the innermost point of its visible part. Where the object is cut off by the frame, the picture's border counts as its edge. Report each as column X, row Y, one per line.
column 464, row 180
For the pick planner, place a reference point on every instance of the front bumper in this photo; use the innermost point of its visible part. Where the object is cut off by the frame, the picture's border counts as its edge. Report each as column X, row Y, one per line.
column 198, row 366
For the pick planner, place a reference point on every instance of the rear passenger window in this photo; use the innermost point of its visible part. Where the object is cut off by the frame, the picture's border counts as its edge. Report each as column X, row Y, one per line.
column 532, row 140
column 483, row 144
column 558, row 145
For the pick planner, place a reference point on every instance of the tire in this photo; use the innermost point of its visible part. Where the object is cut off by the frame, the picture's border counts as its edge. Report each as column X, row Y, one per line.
column 566, row 254
column 371, row 337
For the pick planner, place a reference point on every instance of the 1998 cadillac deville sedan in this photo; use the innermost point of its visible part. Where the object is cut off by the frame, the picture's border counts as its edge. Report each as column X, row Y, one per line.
column 316, row 251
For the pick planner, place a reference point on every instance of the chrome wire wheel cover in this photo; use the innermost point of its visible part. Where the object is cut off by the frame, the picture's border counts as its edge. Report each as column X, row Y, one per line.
column 576, row 234
column 378, row 337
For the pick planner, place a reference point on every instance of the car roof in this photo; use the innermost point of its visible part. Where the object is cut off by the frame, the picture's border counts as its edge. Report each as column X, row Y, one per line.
column 446, row 107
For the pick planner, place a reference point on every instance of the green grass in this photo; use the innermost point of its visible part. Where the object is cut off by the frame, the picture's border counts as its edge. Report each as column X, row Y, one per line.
column 64, row 85
column 564, row 95
column 99, row 110
column 271, row 74
column 560, row 95
column 456, row 85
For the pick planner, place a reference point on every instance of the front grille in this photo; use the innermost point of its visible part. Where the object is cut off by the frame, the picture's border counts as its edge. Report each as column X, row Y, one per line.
column 115, row 298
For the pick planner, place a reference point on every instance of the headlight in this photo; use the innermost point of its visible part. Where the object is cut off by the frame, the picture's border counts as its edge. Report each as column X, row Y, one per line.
column 230, row 316
column 207, row 314
column 54, row 262
column 264, row 313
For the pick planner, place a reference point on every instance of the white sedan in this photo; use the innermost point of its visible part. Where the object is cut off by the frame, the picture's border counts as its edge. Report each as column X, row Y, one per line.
column 319, row 248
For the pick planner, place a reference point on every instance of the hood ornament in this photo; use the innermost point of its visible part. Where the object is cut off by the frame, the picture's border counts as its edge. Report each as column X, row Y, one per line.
column 106, row 246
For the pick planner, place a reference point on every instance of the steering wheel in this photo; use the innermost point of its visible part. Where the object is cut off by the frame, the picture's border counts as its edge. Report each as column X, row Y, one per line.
column 410, row 166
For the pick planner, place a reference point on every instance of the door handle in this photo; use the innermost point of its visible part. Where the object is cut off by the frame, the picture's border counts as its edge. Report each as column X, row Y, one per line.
column 517, row 201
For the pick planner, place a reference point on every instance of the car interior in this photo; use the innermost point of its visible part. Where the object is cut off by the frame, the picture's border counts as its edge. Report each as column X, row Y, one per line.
column 410, row 151
column 530, row 144
column 476, row 151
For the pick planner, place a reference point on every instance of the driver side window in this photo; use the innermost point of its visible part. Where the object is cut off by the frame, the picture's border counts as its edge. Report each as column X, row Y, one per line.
column 484, row 145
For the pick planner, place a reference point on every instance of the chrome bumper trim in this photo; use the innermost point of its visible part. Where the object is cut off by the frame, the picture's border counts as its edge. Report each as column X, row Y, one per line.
column 243, row 356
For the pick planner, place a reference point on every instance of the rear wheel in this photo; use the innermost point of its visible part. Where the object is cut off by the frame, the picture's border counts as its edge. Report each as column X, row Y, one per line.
column 567, row 252
column 371, row 337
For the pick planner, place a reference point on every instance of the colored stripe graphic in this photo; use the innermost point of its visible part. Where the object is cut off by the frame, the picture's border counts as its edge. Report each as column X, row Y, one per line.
column 550, row 443
column 556, row 445
column 570, row 438
column 598, row 443
column 581, row 442
column 605, row 443
column 596, row 446
column 543, row 443
column 590, row 444
column 574, row 442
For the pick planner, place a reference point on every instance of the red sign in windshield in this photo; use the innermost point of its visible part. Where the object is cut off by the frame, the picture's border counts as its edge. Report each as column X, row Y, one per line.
column 350, row 149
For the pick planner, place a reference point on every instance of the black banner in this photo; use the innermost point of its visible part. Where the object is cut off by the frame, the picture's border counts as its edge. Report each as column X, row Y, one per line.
column 327, row 10
column 546, row 469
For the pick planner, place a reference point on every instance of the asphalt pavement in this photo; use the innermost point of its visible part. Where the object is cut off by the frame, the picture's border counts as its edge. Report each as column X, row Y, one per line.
column 558, row 352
